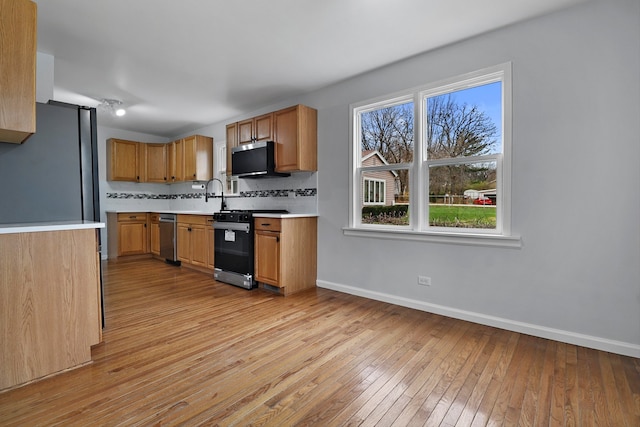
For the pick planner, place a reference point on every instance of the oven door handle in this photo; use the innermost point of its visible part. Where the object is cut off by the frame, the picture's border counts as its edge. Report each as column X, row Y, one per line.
column 233, row 226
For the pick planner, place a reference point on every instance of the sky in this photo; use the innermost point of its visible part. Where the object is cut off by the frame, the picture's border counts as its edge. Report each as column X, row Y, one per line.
column 487, row 97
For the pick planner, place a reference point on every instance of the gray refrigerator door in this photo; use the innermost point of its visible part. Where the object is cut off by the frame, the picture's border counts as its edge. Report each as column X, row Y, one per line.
column 42, row 178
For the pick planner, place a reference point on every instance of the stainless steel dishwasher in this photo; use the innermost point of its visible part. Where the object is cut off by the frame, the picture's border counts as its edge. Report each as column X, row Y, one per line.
column 168, row 235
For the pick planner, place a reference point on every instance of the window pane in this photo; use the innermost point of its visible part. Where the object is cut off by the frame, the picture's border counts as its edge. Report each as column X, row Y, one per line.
column 382, row 202
column 464, row 123
column 463, row 196
column 387, row 132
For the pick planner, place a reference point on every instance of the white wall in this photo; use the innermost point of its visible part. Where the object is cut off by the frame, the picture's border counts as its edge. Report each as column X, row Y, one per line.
column 576, row 199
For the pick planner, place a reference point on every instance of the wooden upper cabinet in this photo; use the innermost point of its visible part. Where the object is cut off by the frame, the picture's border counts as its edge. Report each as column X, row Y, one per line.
column 157, row 162
column 232, row 141
column 296, row 137
column 258, row 128
column 295, row 131
column 18, row 40
column 245, row 131
column 124, row 161
column 197, row 158
column 187, row 159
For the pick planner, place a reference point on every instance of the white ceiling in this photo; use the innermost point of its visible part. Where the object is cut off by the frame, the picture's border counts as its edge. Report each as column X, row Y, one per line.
column 181, row 65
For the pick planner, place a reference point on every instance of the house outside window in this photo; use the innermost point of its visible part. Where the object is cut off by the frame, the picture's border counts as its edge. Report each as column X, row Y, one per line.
column 447, row 145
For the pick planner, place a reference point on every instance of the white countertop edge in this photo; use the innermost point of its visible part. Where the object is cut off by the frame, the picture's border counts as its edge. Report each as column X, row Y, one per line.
column 160, row 211
column 33, row 227
column 289, row 215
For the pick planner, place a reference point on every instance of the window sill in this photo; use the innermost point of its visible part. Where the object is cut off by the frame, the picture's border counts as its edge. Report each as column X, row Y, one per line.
column 438, row 237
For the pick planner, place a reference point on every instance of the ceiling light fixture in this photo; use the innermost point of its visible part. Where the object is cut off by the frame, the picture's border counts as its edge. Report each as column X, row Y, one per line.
column 113, row 106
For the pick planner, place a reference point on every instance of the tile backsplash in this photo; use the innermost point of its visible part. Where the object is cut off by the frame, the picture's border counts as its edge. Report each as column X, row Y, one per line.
column 297, row 194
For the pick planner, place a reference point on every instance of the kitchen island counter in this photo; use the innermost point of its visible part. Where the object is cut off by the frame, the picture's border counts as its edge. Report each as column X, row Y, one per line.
column 50, row 290
column 33, row 227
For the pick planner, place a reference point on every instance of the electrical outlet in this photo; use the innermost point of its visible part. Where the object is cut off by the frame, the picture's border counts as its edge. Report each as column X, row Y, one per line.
column 424, row 280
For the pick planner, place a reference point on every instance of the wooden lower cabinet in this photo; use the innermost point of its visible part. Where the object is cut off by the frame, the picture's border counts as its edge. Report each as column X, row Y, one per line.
column 286, row 253
column 51, row 303
column 127, row 234
column 193, row 240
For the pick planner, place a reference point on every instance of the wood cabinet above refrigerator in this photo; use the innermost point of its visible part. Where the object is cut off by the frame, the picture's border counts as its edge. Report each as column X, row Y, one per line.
column 17, row 70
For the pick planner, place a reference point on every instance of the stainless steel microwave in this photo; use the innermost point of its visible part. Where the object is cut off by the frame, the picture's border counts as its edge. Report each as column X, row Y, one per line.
column 255, row 160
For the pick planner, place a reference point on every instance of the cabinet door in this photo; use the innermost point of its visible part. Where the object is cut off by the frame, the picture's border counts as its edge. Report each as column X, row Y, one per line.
column 17, row 70
column 295, row 133
column 132, row 238
column 232, row 141
column 267, row 257
column 263, row 128
column 124, row 160
column 183, row 242
column 202, row 158
column 245, row 131
column 156, row 162
column 189, row 158
column 199, row 253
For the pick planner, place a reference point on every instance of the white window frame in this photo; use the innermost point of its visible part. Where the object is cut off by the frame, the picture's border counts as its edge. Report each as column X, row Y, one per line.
column 376, row 181
column 418, row 229
column 231, row 182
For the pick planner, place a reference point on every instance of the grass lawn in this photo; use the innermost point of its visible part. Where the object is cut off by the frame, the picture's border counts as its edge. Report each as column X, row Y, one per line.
column 461, row 216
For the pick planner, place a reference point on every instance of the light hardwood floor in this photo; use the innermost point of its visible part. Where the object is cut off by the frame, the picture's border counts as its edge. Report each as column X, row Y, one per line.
column 182, row 349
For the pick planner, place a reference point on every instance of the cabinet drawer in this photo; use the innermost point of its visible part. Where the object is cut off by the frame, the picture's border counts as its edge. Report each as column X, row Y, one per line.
column 195, row 219
column 132, row 216
column 269, row 224
column 154, row 217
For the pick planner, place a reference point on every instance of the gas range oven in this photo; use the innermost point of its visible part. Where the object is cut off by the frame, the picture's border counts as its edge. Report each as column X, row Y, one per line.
column 234, row 244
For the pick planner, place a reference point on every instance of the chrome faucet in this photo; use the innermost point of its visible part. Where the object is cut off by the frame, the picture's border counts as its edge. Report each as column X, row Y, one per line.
column 206, row 193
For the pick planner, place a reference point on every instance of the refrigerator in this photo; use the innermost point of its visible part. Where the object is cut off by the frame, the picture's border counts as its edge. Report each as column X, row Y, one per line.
column 53, row 175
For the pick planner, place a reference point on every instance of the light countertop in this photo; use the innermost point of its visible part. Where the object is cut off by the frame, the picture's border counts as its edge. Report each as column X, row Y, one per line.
column 33, row 227
column 161, row 211
column 287, row 215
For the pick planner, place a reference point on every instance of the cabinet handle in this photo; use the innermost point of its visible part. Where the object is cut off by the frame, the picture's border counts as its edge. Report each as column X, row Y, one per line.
column 266, row 225
column 189, row 229
column 278, row 239
column 132, row 217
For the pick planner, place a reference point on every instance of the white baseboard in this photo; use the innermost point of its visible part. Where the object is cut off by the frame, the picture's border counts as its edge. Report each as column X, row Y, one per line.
column 618, row 347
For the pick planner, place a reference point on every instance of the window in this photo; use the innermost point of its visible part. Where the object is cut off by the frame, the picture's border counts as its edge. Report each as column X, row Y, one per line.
column 231, row 182
column 374, row 191
column 435, row 159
